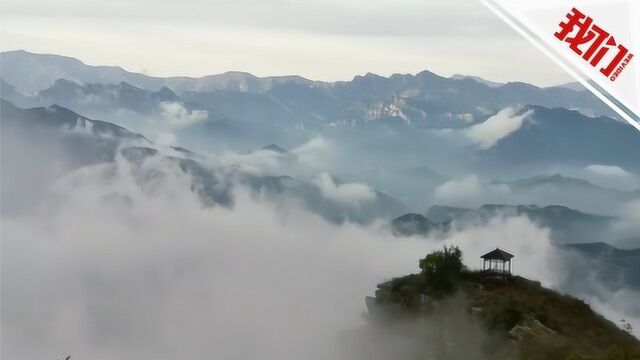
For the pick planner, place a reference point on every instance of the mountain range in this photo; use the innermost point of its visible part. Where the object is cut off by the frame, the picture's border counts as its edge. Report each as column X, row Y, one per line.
column 614, row 267
column 566, row 225
column 67, row 141
column 404, row 134
column 559, row 136
column 372, row 150
column 33, row 72
column 570, row 191
column 424, row 99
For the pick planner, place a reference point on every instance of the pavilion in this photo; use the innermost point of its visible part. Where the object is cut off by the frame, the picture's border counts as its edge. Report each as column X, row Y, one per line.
column 497, row 261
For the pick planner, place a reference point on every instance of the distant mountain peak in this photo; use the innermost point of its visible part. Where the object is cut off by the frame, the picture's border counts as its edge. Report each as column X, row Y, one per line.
column 237, row 73
column 368, row 77
column 556, row 178
column 63, row 82
column 426, row 73
column 520, row 84
column 166, row 94
column 412, row 224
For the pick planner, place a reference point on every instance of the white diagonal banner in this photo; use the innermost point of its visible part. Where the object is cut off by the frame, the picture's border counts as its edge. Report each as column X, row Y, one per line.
column 596, row 41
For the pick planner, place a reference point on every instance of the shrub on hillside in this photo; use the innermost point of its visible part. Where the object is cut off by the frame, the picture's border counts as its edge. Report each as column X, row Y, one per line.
column 442, row 269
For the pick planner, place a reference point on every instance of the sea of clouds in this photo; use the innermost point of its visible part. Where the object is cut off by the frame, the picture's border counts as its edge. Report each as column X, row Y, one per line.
column 112, row 267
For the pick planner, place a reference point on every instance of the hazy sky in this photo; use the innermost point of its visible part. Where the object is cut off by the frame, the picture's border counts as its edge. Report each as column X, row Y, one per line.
column 319, row 39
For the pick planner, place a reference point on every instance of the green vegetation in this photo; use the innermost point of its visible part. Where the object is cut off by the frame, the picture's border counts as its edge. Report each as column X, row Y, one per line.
column 523, row 320
column 441, row 270
column 440, row 277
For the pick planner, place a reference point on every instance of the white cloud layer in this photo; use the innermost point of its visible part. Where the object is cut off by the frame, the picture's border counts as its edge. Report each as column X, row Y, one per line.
column 608, row 170
column 470, row 191
column 177, row 116
column 497, row 127
column 628, row 225
column 116, row 268
column 611, row 176
column 352, row 194
column 165, row 139
column 116, row 271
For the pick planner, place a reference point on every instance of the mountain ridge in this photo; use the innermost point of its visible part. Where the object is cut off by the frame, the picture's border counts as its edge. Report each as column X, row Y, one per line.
column 101, row 142
column 566, row 224
column 110, row 74
column 77, row 70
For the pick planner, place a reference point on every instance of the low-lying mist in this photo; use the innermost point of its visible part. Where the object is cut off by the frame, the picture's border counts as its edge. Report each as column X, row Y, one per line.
column 112, row 267
column 116, row 269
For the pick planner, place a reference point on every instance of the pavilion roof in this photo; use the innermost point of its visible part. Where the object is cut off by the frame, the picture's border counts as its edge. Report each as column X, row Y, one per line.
column 497, row 254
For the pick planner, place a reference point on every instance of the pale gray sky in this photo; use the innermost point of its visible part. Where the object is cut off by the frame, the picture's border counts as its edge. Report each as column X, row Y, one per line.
column 318, row 39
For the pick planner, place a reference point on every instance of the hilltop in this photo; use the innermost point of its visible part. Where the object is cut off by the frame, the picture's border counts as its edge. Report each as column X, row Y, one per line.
column 459, row 313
